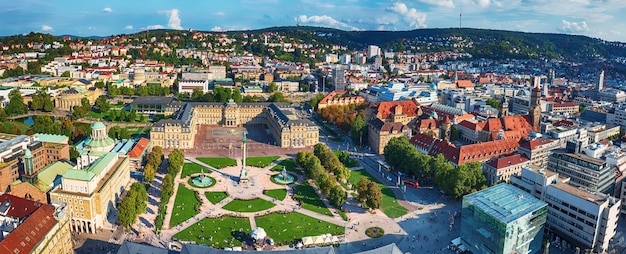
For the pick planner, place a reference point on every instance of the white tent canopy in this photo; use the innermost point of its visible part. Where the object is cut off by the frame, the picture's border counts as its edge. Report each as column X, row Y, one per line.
column 258, row 234
column 320, row 240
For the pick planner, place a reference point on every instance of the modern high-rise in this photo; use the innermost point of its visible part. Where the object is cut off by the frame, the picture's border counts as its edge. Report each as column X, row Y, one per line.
column 585, row 219
column 372, row 51
column 502, row 219
column 339, row 79
column 600, row 85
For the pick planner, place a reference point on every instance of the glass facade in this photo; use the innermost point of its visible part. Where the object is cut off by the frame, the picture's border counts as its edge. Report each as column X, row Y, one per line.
column 502, row 219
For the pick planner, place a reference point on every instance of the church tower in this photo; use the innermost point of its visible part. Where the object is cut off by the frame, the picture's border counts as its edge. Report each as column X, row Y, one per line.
column 535, row 107
column 504, row 106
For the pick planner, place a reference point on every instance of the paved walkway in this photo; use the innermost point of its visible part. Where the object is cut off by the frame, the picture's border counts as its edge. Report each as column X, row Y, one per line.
column 259, row 180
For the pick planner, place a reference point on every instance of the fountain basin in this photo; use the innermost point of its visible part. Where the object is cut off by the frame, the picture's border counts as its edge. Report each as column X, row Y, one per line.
column 201, row 182
column 283, row 179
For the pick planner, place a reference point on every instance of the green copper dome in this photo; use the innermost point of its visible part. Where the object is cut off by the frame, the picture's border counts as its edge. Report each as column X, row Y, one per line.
column 98, row 125
column 28, row 153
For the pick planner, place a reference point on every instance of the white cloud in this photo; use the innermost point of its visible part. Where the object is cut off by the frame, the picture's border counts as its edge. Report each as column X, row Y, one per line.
column 217, row 29
column 153, row 27
column 573, row 27
column 325, row 21
column 411, row 16
column 174, row 22
column 107, row 9
column 46, row 28
column 128, row 27
column 482, row 3
column 219, row 13
column 442, row 3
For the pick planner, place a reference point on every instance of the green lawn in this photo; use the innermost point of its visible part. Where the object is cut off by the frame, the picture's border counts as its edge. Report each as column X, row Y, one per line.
column 246, row 206
column 216, row 197
column 183, row 206
column 310, row 199
column 218, row 163
column 390, row 205
column 193, row 168
column 93, row 114
column 218, row 232
column 20, row 125
column 289, row 165
column 261, row 161
column 286, row 228
column 279, row 194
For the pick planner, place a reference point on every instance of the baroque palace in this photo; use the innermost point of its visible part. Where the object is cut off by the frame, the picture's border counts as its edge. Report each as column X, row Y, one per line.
column 285, row 126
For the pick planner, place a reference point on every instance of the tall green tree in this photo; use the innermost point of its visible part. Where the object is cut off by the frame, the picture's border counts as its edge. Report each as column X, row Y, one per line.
column 237, row 96
column 16, row 104
column 374, row 195
column 127, row 211
column 102, row 104
column 337, row 196
column 358, row 130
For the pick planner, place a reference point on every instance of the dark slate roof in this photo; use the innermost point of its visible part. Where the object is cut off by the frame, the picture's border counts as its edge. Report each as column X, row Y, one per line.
column 136, row 248
column 153, row 100
column 164, row 122
column 84, row 81
column 287, row 117
column 198, row 249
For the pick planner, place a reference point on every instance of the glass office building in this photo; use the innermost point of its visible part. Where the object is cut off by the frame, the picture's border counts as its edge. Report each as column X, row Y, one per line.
column 502, row 219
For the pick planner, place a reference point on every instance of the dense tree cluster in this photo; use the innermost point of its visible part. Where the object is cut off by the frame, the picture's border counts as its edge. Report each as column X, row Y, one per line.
column 133, row 204
column 114, row 90
column 123, row 116
column 41, row 101
column 175, row 161
column 369, row 193
column 16, row 104
column 120, row 133
column 153, row 161
column 82, row 110
column 315, row 100
column 457, row 182
column 325, row 169
column 344, row 115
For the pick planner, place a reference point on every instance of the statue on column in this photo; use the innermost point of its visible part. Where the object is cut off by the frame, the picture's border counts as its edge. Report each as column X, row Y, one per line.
column 243, row 174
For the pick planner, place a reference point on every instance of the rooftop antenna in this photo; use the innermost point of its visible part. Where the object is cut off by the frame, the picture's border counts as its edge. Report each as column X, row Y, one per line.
column 461, row 18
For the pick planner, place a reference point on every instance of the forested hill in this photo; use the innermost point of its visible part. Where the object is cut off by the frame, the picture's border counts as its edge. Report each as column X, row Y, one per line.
column 478, row 42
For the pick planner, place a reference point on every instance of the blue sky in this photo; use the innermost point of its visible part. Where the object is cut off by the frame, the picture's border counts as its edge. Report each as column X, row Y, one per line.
column 596, row 18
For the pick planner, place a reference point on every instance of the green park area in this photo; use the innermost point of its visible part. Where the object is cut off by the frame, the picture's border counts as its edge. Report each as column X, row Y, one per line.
column 279, row 194
column 216, row 197
column 217, row 232
column 193, row 168
column 184, row 206
column 389, row 204
column 285, row 228
column 261, row 161
column 250, row 205
column 218, row 163
column 309, row 199
column 288, row 164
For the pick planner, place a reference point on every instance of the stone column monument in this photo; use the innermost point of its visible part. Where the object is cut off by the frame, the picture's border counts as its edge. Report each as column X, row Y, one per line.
column 243, row 174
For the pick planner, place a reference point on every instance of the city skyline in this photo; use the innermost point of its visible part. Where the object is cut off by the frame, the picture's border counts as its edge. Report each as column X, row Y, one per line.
column 598, row 19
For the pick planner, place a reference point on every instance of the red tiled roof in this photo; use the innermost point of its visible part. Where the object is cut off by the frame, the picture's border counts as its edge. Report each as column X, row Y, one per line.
column 409, row 107
column 532, row 144
column 32, row 230
column 493, row 124
column 139, row 148
column 423, row 141
column 464, row 83
column 522, row 123
column 474, row 152
column 472, row 126
column 20, row 207
column 428, row 124
column 563, row 123
column 507, row 161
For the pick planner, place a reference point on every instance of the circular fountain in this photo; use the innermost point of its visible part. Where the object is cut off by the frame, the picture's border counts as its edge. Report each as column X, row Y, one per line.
column 284, row 177
column 202, row 181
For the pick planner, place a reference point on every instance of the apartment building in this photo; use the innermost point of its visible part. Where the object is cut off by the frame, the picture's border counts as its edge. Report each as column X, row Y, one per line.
column 501, row 169
column 587, row 220
column 584, row 171
column 32, row 227
column 538, row 150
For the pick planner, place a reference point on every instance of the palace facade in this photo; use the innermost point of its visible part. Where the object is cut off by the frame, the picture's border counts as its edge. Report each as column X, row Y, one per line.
column 285, row 126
